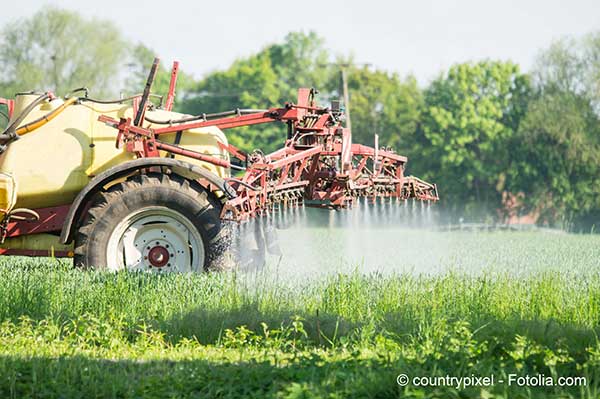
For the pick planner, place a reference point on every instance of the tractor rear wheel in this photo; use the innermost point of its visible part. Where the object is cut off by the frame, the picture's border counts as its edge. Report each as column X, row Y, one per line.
column 156, row 223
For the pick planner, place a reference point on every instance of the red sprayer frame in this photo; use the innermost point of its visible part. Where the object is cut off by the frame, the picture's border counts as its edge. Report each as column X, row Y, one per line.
column 318, row 164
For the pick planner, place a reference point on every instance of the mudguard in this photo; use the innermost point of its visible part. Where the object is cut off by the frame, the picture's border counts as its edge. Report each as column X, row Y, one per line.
column 181, row 168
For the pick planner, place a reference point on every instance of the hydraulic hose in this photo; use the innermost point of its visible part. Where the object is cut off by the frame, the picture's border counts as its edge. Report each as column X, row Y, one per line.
column 12, row 131
column 31, row 126
column 119, row 101
column 205, row 116
column 9, row 133
column 24, row 214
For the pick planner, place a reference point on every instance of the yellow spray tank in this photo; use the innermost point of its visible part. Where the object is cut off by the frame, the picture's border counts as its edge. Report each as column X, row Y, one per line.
column 55, row 161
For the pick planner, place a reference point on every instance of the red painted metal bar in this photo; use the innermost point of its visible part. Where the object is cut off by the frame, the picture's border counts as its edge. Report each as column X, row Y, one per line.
column 276, row 155
column 125, row 125
column 289, row 185
column 233, row 151
column 359, row 149
column 192, row 154
column 296, row 157
column 273, row 115
column 171, row 95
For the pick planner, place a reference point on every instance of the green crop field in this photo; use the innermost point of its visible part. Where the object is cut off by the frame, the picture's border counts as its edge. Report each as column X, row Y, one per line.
column 325, row 322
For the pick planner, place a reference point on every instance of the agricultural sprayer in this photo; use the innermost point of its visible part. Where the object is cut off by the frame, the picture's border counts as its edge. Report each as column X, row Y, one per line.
column 127, row 184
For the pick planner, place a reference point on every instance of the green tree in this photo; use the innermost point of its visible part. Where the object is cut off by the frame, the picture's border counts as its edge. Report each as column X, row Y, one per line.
column 470, row 116
column 571, row 65
column 383, row 103
column 59, row 50
column 300, row 61
column 266, row 79
column 558, row 162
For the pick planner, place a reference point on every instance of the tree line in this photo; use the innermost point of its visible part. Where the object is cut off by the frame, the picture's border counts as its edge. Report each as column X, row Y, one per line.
column 497, row 140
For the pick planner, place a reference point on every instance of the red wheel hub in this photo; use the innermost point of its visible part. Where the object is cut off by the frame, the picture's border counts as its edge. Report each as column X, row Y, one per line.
column 158, row 256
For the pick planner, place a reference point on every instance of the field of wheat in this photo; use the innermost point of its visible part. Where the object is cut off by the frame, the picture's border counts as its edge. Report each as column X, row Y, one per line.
column 341, row 324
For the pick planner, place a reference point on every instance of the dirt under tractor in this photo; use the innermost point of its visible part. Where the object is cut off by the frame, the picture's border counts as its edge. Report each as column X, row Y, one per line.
column 128, row 184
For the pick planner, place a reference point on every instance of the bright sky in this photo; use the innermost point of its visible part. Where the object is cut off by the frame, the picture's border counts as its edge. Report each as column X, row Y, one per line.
column 419, row 37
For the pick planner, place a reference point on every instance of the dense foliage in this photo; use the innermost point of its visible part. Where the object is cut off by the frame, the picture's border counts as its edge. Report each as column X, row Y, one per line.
column 470, row 117
column 485, row 131
column 59, row 50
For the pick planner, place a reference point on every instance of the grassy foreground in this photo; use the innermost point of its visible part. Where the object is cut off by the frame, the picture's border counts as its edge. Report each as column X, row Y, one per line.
column 71, row 333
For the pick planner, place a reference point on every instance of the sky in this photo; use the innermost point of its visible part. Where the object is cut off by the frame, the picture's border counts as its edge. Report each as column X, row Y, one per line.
column 417, row 37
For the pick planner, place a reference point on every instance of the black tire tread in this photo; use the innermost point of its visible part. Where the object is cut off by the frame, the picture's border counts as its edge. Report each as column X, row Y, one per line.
column 106, row 205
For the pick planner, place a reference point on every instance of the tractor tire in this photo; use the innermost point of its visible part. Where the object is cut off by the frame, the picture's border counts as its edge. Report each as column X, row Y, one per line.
column 156, row 223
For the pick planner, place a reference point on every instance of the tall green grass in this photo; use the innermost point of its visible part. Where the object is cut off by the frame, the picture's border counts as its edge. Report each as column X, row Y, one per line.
column 74, row 333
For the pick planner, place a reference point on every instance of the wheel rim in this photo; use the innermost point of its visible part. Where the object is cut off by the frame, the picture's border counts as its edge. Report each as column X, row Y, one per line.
column 156, row 239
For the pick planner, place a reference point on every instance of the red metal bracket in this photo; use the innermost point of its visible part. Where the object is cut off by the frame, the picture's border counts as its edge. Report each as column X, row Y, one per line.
column 172, row 84
column 51, row 219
